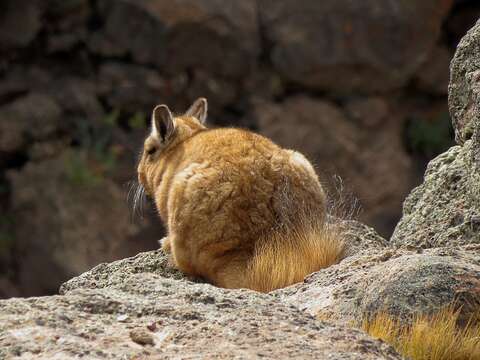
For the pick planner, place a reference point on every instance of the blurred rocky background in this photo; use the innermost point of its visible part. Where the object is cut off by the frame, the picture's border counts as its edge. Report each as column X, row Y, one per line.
column 359, row 86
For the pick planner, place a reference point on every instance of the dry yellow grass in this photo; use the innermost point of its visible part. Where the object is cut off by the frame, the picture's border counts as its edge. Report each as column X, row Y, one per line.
column 435, row 337
column 285, row 261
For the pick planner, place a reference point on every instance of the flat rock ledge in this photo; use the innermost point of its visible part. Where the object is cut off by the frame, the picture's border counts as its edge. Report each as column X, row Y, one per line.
column 149, row 316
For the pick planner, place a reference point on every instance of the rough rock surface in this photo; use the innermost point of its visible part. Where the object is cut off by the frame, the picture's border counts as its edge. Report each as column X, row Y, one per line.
column 464, row 89
column 442, row 211
column 400, row 282
column 358, row 237
column 347, row 45
column 115, row 273
column 147, row 315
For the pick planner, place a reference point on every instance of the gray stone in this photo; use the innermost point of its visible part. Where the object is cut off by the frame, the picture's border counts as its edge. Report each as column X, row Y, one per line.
column 399, row 282
column 445, row 209
column 348, row 46
column 358, row 237
column 464, row 89
column 149, row 316
column 115, row 273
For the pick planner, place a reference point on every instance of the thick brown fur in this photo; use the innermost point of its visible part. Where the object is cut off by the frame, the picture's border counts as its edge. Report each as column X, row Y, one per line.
column 241, row 212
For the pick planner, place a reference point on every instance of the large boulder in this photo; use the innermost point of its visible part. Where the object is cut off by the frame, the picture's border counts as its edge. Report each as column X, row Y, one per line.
column 399, row 282
column 349, row 46
column 147, row 315
column 176, row 35
column 464, row 89
column 444, row 209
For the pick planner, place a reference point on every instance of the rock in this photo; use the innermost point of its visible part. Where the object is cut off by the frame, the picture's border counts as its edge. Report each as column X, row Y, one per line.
column 142, row 337
column 371, row 112
column 339, row 146
column 78, row 97
column 347, row 46
column 115, row 273
column 35, row 116
column 67, row 220
column 358, row 237
column 191, row 320
column 178, row 35
column 131, row 87
column 444, row 210
column 464, row 89
column 15, row 33
column 399, row 282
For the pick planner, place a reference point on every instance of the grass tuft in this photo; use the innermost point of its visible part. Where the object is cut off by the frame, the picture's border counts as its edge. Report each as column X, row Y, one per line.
column 429, row 337
column 283, row 260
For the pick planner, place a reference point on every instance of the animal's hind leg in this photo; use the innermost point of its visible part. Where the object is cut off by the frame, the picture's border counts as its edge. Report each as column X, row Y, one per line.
column 181, row 255
column 232, row 273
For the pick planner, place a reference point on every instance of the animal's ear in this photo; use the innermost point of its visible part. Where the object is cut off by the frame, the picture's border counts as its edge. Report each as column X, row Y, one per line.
column 199, row 110
column 162, row 122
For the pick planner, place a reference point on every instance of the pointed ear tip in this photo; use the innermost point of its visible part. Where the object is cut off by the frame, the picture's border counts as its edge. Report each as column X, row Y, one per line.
column 161, row 111
column 160, row 107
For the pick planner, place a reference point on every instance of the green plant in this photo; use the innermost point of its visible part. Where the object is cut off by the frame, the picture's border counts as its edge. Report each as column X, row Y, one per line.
column 95, row 157
column 112, row 118
column 137, row 121
column 78, row 170
column 430, row 137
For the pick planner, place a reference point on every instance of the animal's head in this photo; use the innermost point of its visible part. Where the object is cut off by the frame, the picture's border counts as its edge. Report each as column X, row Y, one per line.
column 167, row 132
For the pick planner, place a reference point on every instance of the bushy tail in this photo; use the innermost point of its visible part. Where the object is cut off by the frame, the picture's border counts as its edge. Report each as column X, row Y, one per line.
column 282, row 260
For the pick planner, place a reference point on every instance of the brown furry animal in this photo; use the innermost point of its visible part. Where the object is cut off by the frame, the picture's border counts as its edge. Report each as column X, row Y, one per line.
column 241, row 212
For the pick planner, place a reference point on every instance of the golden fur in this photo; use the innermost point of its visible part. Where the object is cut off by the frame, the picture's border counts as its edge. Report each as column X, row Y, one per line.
column 241, row 212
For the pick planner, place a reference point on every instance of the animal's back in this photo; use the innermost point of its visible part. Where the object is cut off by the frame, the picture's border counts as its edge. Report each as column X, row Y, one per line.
column 240, row 197
column 241, row 211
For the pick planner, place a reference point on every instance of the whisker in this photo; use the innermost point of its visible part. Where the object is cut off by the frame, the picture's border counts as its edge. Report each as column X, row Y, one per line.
column 136, row 199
